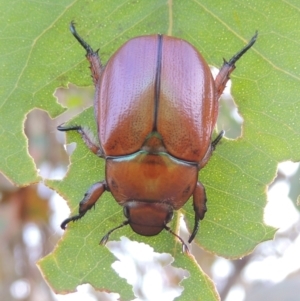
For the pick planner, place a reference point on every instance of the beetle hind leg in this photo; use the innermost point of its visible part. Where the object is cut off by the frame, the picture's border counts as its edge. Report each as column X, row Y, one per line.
column 199, row 202
column 228, row 67
column 82, row 42
column 89, row 201
column 91, row 55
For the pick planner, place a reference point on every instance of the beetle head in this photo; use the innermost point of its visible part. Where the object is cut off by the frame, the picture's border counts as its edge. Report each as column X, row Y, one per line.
column 146, row 218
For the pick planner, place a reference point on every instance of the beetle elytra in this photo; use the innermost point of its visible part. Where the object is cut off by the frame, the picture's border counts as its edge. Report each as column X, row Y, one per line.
column 156, row 106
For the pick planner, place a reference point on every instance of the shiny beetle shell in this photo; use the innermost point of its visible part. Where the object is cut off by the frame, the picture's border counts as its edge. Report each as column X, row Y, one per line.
column 157, row 83
column 156, row 106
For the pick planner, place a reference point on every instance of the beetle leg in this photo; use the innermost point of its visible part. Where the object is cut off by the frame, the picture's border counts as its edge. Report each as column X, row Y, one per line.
column 228, row 67
column 89, row 200
column 217, row 140
column 91, row 55
column 199, row 202
column 86, row 136
column 211, row 149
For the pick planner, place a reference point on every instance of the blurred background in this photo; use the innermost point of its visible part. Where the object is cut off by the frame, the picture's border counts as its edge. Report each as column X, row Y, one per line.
column 30, row 219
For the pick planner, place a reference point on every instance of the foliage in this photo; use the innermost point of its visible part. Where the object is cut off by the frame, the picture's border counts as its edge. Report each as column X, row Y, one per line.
column 39, row 55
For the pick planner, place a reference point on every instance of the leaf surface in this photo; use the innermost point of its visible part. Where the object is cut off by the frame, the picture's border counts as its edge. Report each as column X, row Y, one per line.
column 38, row 54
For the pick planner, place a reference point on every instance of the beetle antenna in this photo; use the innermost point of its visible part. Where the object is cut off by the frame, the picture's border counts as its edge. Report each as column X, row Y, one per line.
column 185, row 248
column 105, row 238
column 82, row 42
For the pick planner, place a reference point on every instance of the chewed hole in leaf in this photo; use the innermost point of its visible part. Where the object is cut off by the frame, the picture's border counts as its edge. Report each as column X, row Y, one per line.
column 88, row 293
column 151, row 274
column 281, row 210
column 69, row 148
column 75, row 98
column 45, row 144
column 228, row 118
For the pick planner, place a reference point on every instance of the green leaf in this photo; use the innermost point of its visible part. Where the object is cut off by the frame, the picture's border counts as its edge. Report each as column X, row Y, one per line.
column 38, row 54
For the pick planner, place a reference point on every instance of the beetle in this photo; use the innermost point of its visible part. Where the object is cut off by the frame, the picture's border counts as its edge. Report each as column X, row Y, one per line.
column 156, row 106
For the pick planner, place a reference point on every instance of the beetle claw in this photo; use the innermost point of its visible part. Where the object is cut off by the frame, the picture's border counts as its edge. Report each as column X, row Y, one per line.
column 104, row 240
column 72, row 26
column 82, row 42
column 69, row 128
column 238, row 55
column 217, row 140
column 71, row 219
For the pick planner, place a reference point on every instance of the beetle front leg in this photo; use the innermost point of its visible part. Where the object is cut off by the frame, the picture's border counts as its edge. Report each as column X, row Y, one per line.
column 199, row 202
column 89, row 200
column 228, row 67
column 86, row 136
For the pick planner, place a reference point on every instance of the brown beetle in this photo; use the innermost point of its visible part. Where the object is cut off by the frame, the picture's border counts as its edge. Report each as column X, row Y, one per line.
column 156, row 106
